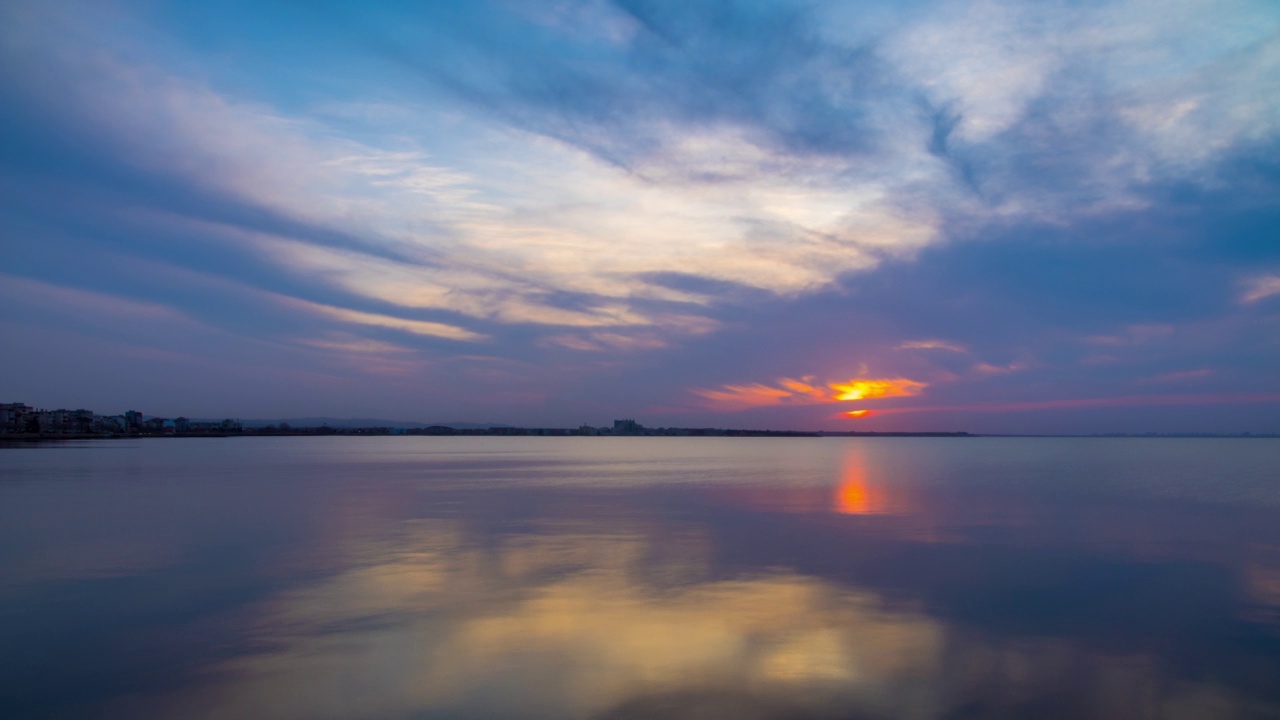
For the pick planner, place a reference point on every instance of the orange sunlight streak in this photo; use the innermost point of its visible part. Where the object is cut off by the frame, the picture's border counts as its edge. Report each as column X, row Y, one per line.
column 862, row 389
column 807, row 391
column 854, row 495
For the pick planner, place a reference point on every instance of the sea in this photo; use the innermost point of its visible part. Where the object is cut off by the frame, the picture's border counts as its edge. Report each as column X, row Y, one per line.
column 622, row 578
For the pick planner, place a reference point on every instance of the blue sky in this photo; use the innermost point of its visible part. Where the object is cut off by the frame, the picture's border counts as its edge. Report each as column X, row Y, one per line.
column 989, row 216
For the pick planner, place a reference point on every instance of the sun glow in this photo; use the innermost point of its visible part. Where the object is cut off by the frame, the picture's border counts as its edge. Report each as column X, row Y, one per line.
column 857, row 413
column 860, row 389
column 808, row 390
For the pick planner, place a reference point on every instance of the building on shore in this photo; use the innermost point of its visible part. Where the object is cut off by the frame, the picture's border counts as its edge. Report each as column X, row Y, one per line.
column 23, row 419
column 627, row 427
column 16, row 417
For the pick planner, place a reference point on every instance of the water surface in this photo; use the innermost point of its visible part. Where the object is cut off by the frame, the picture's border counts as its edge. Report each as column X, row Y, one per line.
column 623, row 578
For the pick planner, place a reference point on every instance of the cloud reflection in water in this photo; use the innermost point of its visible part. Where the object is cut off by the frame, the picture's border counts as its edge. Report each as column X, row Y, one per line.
column 630, row 617
column 572, row 623
column 824, row 579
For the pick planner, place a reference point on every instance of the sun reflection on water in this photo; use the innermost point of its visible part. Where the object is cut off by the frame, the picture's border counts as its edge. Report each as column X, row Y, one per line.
column 856, row 495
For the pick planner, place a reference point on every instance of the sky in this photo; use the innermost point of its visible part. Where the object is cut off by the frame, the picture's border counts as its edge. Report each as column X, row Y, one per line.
column 1048, row 217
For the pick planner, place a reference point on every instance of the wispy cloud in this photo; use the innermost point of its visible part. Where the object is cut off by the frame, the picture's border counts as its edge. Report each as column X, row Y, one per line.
column 1134, row 335
column 1181, row 376
column 990, row 369
column 932, row 345
column 603, row 341
column 416, row 327
column 20, row 292
column 352, row 344
column 1260, row 288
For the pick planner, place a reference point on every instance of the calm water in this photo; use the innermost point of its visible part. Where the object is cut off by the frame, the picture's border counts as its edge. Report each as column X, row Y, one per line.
column 629, row 578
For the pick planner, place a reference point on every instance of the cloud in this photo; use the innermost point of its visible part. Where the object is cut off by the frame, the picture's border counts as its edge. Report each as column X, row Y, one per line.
column 1181, row 375
column 108, row 308
column 602, row 341
column 417, row 327
column 932, row 345
column 497, row 233
column 1260, row 288
column 745, row 134
column 1134, row 335
column 352, row 344
column 989, row 369
column 806, row 391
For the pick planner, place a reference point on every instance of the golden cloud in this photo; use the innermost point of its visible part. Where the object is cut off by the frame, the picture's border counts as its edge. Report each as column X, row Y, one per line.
column 807, row 391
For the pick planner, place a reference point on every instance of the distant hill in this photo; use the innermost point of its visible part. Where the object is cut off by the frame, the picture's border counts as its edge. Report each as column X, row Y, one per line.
column 306, row 422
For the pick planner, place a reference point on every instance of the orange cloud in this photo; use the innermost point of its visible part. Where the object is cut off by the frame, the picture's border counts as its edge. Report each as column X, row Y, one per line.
column 803, row 386
column 857, row 413
column 746, row 396
column 807, row 391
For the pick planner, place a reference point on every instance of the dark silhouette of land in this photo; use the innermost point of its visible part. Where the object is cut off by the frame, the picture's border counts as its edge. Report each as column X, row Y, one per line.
column 19, row 421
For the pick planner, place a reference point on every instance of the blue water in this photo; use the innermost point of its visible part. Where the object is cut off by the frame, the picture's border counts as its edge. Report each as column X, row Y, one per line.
column 623, row 578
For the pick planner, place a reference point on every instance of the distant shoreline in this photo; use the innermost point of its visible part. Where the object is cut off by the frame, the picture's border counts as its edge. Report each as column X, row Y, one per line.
column 507, row 432
column 501, row 432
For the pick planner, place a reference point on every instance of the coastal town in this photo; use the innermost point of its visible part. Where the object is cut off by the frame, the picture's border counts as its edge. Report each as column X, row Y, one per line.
column 20, row 419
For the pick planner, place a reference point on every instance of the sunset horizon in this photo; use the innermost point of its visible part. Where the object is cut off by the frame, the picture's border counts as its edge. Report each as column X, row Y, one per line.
column 982, row 215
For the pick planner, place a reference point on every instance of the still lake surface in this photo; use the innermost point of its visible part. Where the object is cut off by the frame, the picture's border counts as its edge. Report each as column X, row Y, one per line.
column 626, row 578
